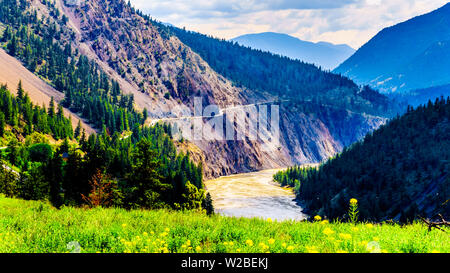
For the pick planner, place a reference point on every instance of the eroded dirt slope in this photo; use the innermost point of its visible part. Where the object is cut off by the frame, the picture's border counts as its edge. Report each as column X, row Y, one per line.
column 40, row 92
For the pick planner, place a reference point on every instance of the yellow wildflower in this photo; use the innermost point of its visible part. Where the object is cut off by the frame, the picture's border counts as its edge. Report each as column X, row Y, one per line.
column 328, row 231
column 271, row 241
column 198, row 249
column 325, row 222
column 317, row 218
column 363, row 243
column 353, row 201
column 345, row 236
column 263, row 246
column 269, row 220
column 249, row 242
column 311, row 249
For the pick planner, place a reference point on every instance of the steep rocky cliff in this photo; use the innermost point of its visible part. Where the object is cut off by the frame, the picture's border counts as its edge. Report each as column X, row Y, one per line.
column 164, row 73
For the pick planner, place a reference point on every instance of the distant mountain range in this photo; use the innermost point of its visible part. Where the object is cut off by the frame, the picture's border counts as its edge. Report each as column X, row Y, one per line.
column 411, row 55
column 323, row 54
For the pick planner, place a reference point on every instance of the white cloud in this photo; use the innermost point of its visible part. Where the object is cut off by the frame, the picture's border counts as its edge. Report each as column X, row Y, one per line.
column 352, row 22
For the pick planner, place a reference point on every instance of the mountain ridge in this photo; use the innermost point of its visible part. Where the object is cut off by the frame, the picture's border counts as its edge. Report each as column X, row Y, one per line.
column 323, row 54
column 161, row 71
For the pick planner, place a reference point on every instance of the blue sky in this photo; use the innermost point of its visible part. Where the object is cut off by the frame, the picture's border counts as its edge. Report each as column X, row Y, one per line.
column 352, row 22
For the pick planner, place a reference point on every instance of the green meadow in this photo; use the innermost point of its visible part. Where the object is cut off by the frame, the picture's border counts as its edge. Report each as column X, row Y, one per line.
column 37, row 227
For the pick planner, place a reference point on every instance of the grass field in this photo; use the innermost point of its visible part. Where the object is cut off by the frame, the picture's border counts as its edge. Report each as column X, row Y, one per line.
column 37, row 227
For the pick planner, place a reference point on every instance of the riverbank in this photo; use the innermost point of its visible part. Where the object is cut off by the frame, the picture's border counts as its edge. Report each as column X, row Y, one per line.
column 254, row 195
column 36, row 227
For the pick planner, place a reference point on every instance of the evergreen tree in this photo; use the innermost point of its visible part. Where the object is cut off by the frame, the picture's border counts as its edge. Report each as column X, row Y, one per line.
column 20, row 91
column 78, row 130
column 2, row 124
column 147, row 188
column 208, row 204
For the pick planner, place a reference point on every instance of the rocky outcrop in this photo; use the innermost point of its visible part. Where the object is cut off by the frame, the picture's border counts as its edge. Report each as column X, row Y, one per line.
column 163, row 73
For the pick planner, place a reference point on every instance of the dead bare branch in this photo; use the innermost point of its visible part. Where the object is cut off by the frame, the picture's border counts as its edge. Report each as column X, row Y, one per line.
column 435, row 225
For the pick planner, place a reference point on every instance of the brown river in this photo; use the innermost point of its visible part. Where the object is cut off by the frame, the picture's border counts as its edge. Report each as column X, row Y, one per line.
column 254, row 195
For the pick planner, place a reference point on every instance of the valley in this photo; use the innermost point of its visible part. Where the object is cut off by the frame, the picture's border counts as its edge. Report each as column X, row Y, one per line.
column 254, row 195
column 124, row 134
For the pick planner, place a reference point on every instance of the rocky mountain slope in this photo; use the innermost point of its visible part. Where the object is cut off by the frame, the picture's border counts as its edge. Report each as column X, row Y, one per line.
column 162, row 72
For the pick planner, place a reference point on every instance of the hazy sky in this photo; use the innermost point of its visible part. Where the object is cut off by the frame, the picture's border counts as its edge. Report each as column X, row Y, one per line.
column 352, row 22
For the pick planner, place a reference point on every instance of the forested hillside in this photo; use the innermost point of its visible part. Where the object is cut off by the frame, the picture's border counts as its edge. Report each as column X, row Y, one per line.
column 43, row 45
column 20, row 112
column 112, row 63
column 127, row 165
column 281, row 76
column 141, row 169
column 398, row 172
column 165, row 72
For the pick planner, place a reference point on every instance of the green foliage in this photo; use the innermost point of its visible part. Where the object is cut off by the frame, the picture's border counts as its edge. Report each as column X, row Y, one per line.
column 33, row 184
column 44, row 47
column 283, row 77
column 192, row 198
column 353, row 212
column 147, row 188
column 293, row 177
column 40, row 152
column 2, row 124
column 20, row 112
column 398, row 172
column 36, row 138
column 145, row 162
column 8, row 181
column 121, row 231
column 207, row 204
column 45, row 50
